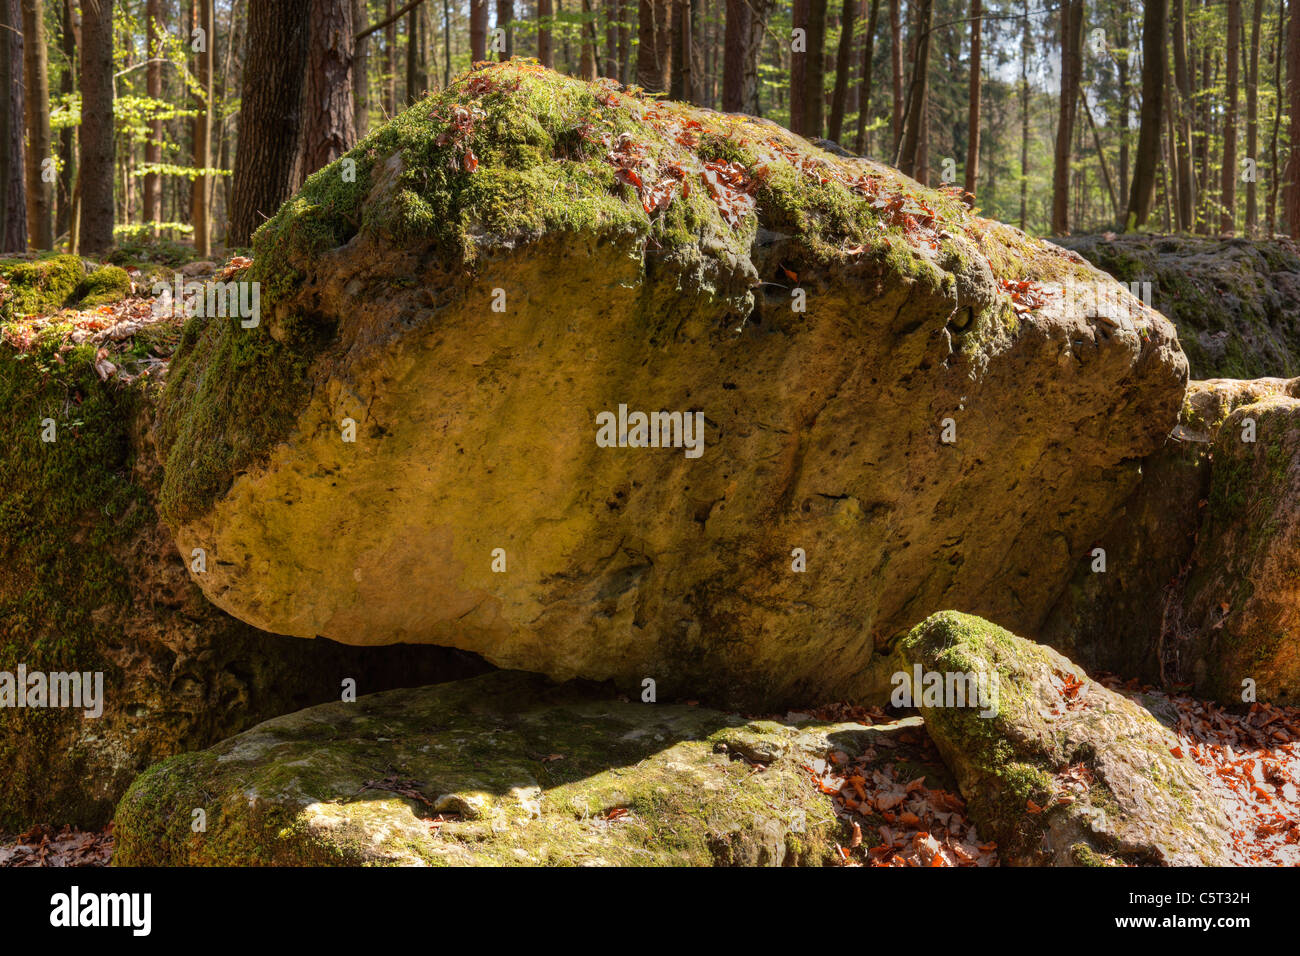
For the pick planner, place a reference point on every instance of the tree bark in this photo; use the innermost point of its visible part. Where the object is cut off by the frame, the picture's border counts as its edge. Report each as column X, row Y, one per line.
column 13, row 199
column 814, row 96
column 973, row 113
column 477, row 30
column 1228, row 180
column 1024, row 117
column 328, row 130
column 654, row 53
column 1071, row 66
column 97, row 147
column 361, row 72
column 1186, row 168
column 896, row 73
column 270, row 114
column 843, row 57
column 862, row 142
column 1252, row 118
column 545, row 56
column 67, row 135
column 36, row 103
column 153, row 85
column 682, row 85
column 200, row 211
column 1142, row 196
column 505, row 19
column 909, row 150
column 799, row 67
column 390, row 58
column 1291, row 197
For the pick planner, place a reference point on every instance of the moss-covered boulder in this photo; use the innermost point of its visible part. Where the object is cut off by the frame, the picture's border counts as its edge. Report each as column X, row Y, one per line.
column 1234, row 301
column 1238, row 635
column 91, row 583
column 1065, row 772
column 503, row 769
column 49, row 283
column 480, row 282
column 1202, row 531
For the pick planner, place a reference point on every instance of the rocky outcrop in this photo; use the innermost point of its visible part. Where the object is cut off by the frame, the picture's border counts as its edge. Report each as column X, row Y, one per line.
column 1197, row 586
column 1065, row 772
column 1233, row 300
column 91, row 583
column 504, row 769
column 880, row 386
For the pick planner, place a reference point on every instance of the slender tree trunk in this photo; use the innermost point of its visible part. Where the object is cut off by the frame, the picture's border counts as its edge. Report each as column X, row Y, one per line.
column 200, row 213
column 270, row 114
column 610, row 64
column 327, row 127
column 1291, row 197
column 390, row 57
column 361, row 71
column 1071, row 65
column 654, row 48
column 799, row 67
column 13, row 199
column 1122, row 77
column 896, row 74
column 97, row 147
column 624, row 42
column 1024, row 117
column 1228, row 182
column 1142, row 197
column 682, row 85
column 505, row 21
column 36, row 93
column 862, row 143
column 843, row 59
column 814, row 96
column 153, row 85
column 973, row 121
column 67, row 135
column 1252, row 118
column 545, row 56
column 477, row 30
column 590, row 50
column 1184, row 163
column 909, row 151
column 1275, row 160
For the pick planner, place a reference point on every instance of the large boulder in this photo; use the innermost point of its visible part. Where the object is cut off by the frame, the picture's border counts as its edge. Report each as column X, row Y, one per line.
column 471, row 291
column 1060, row 770
column 1239, row 631
column 1233, row 300
column 504, row 769
column 1198, row 585
column 91, row 584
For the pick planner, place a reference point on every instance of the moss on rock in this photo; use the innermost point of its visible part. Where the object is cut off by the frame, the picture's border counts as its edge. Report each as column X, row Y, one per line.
column 505, row 769
column 1065, row 772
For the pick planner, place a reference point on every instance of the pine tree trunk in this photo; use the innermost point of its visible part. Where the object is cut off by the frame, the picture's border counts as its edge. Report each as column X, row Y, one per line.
column 843, row 58
column 97, row 147
column 862, row 143
column 13, row 199
column 654, row 48
column 36, row 93
column 1252, row 118
column 973, row 113
column 327, row 127
column 1228, row 181
column 199, row 208
column 361, row 71
column 153, row 85
column 67, row 135
column 1071, row 64
column 1182, row 81
column 505, row 17
column 910, row 153
column 814, row 97
column 270, row 114
column 1024, row 118
column 545, row 56
column 1142, row 197
column 799, row 68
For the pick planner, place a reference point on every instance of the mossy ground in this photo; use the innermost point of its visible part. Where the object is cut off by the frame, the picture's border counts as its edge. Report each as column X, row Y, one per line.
column 52, row 282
